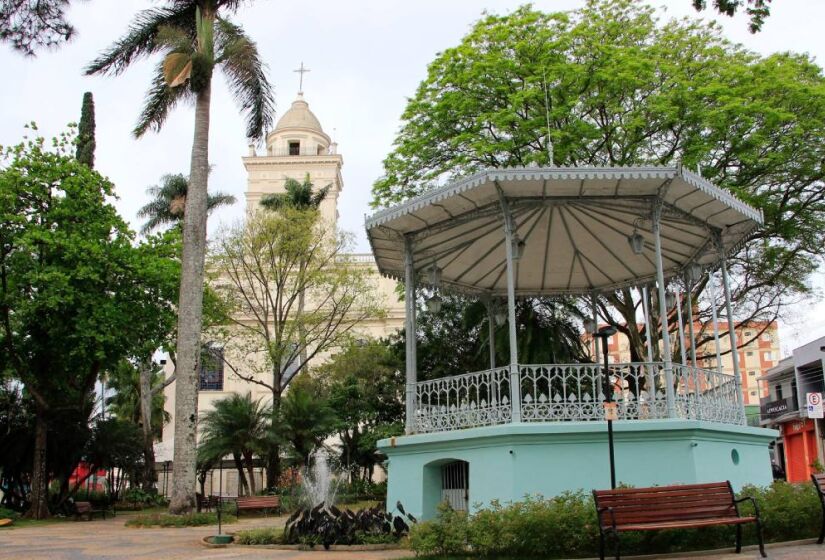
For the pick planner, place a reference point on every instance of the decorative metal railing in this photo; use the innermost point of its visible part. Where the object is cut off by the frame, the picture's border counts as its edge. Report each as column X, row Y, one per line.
column 463, row 401
column 575, row 393
column 703, row 394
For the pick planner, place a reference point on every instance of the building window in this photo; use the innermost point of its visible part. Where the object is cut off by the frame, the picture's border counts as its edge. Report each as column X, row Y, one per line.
column 779, row 392
column 294, row 148
column 211, row 374
column 751, row 373
column 748, row 334
column 753, row 393
column 767, row 337
column 748, row 353
column 768, row 356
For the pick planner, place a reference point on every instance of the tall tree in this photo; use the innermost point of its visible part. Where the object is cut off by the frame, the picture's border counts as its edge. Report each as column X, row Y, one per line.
column 86, row 131
column 195, row 38
column 32, row 24
column 619, row 87
column 169, row 201
column 71, row 287
column 261, row 269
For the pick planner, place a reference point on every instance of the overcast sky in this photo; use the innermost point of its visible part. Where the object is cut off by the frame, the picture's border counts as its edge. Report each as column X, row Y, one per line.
column 366, row 59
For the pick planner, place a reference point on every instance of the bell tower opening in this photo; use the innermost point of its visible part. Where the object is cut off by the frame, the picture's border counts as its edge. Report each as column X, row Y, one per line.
column 294, row 148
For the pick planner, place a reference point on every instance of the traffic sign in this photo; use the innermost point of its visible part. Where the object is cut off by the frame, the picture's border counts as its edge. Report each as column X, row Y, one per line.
column 815, row 409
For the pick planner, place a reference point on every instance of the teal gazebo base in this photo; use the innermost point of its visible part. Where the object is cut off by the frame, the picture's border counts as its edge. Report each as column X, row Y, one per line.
column 509, row 461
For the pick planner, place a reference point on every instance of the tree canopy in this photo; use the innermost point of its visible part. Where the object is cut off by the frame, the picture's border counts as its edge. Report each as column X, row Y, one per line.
column 612, row 85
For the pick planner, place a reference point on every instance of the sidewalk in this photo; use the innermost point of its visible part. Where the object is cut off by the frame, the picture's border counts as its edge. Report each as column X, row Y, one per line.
column 109, row 539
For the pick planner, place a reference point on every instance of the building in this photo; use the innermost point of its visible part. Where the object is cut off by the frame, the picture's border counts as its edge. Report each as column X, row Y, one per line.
column 297, row 147
column 758, row 352
column 799, row 450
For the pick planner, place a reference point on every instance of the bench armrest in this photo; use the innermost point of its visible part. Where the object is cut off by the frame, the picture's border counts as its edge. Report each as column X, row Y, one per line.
column 612, row 513
column 750, row 499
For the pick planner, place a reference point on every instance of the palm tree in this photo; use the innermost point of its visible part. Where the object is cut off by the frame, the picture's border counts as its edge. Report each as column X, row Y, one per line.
column 237, row 426
column 304, row 421
column 195, row 38
column 169, row 200
column 298, row 195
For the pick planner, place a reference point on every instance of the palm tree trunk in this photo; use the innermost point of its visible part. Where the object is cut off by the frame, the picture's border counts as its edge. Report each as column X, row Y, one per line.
column 243, row 485
column 190, row 311
column 250, row 469
column 148, row 475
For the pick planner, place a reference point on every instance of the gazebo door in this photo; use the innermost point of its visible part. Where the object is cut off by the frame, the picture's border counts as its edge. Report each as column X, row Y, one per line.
column 455, row 485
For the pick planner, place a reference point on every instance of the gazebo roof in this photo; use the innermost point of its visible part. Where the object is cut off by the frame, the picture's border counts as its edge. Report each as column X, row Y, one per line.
column 575, row 223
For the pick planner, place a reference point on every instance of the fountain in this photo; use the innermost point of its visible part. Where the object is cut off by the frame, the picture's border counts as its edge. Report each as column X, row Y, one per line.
column 318, row 486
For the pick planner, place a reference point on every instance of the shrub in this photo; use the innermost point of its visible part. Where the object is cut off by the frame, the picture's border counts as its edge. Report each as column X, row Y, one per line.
column 186, row 520
column 566, row 527
column 6, row 513
column 447, row 535
column 263, row 535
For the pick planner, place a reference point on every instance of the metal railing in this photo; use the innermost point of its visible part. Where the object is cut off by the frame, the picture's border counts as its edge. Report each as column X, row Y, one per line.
column 463, row 401
column 575, row 393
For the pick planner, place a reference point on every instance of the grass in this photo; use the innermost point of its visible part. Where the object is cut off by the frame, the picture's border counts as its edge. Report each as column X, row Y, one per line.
column 167, row 520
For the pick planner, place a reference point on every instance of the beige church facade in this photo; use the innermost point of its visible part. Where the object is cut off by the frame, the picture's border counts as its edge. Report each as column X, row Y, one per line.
column 297, row 147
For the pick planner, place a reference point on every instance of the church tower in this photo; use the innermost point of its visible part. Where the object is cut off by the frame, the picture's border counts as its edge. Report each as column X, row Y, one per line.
column 297, row 147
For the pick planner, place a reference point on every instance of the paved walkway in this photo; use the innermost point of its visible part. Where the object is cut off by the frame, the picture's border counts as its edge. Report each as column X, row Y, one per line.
column 109, row 539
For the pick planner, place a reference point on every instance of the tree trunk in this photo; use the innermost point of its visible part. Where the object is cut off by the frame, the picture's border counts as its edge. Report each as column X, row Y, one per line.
column 273, row 460
column 39, row 508
column 190, row 311
column 147, row 478
column 242, row 482
column 250, row 469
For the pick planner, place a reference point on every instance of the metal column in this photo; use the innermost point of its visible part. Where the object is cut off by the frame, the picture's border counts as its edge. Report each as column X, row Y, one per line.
column 651, row 376
column 734, row 350
column 715, row 314
column 409, row 303
column 515, row 378
column 689, row 290
column 660, row 279
column 681, row 329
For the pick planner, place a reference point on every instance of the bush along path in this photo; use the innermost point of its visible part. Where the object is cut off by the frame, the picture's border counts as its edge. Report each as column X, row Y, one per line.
column 566, row 527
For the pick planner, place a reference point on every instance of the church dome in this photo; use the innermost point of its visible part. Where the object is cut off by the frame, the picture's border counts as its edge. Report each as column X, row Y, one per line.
column 299, row 116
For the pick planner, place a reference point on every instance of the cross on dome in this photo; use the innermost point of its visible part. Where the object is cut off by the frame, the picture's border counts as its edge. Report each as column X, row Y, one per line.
column 301, row 71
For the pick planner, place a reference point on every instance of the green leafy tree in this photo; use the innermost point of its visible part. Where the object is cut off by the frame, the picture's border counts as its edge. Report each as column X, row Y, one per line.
column 261, row 270
column 124, row 380
column 619, row 87
column 74, row 291
column 169, row 200
column 195, row 37
column 237, row 425
column 364, row 384
column 86, row 131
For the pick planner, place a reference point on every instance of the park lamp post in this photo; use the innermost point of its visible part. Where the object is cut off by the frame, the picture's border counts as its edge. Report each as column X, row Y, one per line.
column 604, row 333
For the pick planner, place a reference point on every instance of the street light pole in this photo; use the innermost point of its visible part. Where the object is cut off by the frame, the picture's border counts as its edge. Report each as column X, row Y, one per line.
column 604, row 333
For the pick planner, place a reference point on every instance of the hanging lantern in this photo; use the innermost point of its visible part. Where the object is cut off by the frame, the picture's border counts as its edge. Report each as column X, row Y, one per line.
column 637, row 242
column 434, row 304
column 500, row 316
column 435, row 276
column 694, row 272
column 589, row 325
column 518, row 247
column 670, row 299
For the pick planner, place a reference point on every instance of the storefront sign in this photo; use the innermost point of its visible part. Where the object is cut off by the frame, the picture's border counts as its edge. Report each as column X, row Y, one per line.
column 777, row 408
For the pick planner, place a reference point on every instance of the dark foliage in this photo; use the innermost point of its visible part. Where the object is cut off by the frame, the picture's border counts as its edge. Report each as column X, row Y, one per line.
column 328, row 526
column 86, row 131
column 757, row 10
column 32, row 24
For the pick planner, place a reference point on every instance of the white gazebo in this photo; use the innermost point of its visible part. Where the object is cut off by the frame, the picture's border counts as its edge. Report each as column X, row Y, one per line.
column 505, row 234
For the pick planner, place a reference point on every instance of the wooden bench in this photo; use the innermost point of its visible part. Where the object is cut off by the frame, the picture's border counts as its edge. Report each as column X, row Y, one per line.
column 265, row 503
column 672, row 507
column 819, row 484
column 85, row 508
